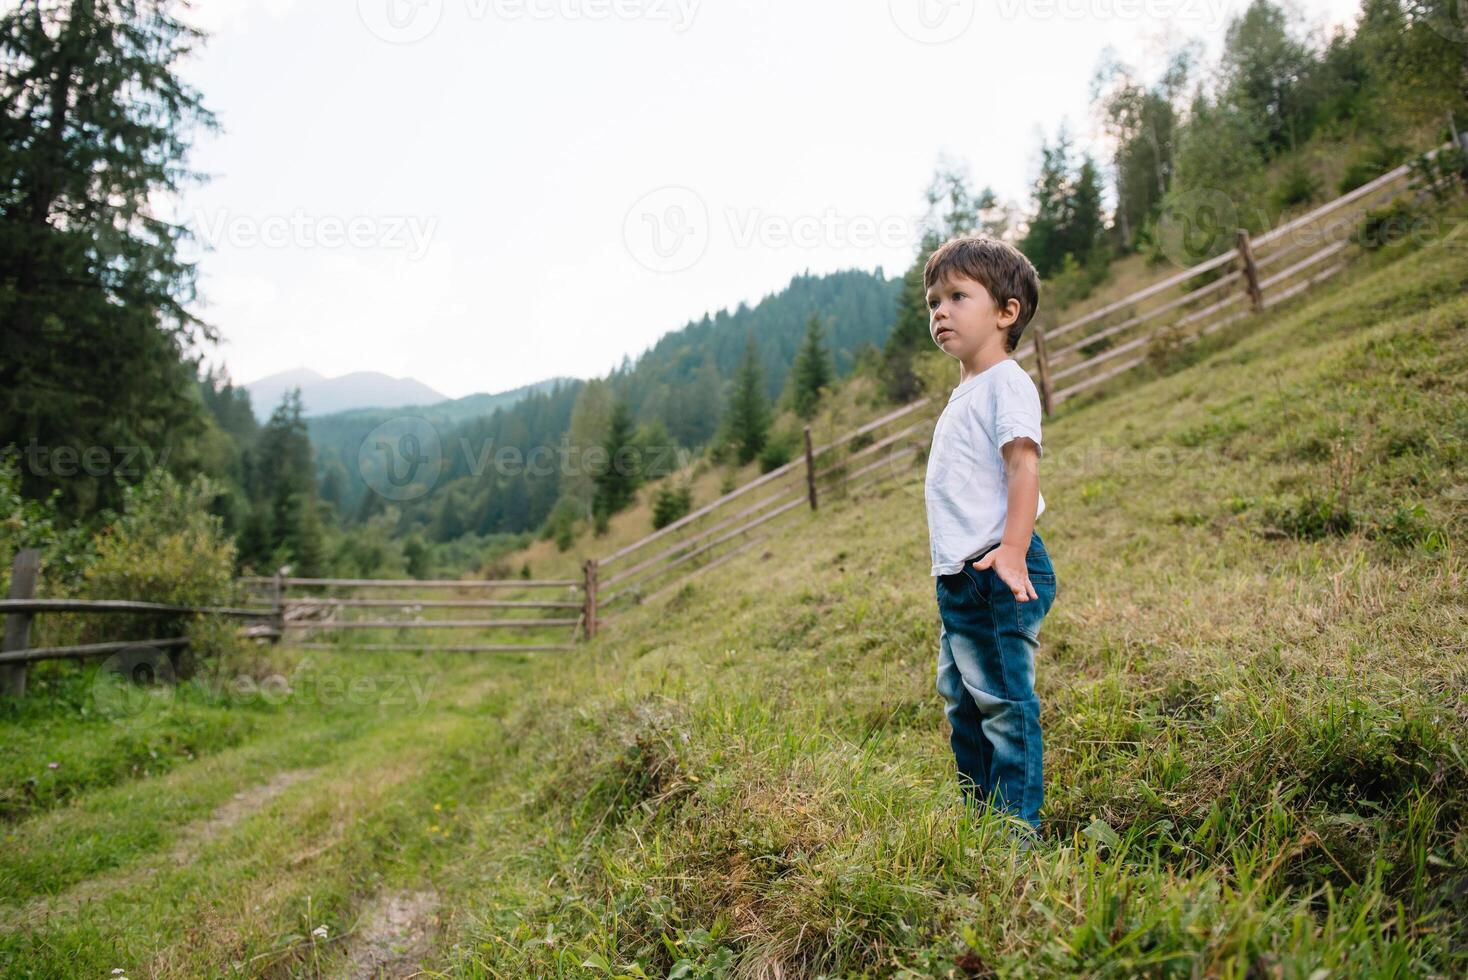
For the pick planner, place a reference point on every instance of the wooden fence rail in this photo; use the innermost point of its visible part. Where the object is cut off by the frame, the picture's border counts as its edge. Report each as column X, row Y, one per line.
column 300, row 610
column 22, row 606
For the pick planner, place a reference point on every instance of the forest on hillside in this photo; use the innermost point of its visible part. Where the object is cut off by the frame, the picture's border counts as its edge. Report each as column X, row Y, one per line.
column 101, row 377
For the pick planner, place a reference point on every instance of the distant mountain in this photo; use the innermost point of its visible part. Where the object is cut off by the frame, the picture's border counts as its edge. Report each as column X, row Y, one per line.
column 322, row 395
column 446, row 411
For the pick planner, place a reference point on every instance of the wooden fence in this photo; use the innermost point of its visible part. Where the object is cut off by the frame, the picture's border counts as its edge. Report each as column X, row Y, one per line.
column 1253, row 275
column 646, row 569
column 399, row 608
column 22, row 606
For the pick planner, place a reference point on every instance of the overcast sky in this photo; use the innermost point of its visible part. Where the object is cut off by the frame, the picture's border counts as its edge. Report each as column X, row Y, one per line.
column 483, row 193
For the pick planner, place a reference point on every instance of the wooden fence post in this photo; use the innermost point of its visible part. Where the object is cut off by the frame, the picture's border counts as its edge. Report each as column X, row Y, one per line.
column 590, row 587
column 23, row 571
column 279, row 600
column 1042, row 362
column 1251, row 272
column 810, row 470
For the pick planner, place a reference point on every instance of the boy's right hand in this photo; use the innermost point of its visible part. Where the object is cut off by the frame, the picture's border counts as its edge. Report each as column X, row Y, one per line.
column 1008, row 562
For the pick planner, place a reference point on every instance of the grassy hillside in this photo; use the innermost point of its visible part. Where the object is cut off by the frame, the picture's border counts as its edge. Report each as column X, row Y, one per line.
column 1252, row 685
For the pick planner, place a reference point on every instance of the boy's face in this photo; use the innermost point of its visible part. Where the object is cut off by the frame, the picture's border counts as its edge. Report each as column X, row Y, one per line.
column 963, row 318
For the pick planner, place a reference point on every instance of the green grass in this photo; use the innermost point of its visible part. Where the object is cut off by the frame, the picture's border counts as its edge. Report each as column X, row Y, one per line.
column 1252, row 685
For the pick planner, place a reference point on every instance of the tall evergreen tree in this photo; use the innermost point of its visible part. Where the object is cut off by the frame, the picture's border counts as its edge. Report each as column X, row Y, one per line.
column 94, row 298
column 1066, row 217
column 618, row 480
column 286, row 525
column 749, row 413
column 812, row 371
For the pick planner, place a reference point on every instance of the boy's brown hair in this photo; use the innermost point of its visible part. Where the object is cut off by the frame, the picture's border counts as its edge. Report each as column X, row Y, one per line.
column 1001, row 268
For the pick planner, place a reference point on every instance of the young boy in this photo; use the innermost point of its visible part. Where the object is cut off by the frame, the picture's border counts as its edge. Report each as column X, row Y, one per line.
column 994, row 579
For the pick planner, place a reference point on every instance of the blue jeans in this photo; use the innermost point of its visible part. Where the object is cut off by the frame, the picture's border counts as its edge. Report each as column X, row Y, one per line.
column 986, row 674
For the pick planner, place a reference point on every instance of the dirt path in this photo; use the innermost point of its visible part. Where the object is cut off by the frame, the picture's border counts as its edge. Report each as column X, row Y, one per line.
column 183, row 852
column 394, row 933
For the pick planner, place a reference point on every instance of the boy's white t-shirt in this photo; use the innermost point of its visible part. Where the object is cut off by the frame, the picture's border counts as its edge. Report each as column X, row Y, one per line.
column 967, row 491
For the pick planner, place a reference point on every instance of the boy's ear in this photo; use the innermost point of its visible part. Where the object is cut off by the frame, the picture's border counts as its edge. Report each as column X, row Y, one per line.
column 1009, row 313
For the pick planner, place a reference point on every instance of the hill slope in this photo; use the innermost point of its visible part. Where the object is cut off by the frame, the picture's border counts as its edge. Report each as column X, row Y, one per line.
column 1251, row 679
column 1251, row 682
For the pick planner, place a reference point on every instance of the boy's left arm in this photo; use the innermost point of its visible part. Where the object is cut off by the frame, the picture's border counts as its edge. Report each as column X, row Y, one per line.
column 1022, row 468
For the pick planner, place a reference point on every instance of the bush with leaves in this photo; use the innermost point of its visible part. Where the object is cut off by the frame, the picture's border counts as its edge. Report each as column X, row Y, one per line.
column 165, row 547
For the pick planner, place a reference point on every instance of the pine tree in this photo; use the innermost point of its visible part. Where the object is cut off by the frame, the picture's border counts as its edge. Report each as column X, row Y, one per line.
column 618, row 480
column 288, row 518
column 93, row 296
column 812, row 371
column 749, row 414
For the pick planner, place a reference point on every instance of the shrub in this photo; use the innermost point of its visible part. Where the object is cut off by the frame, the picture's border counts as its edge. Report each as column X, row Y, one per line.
column 1383, row 226
column 779, row 450
column 1370, row 164
column 1312, row 516
column 1297, row 186
column 166, row 547
column 670, row 503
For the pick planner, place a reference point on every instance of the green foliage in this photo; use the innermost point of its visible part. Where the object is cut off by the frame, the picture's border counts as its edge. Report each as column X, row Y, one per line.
column 779, row 450
column 1378, row 158
column 1440, row 175
column 1066, row 212
column 1296, row 186
column 1380, row 227
column 812, row 372
column 1262, row 68
column 286, row 525
column 560, row 526
column 1143, row 123
column 618, row 479
column 1312, row 516
column 672, row 501
column 748, row 423
column 95, row 299
column 165, row 546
